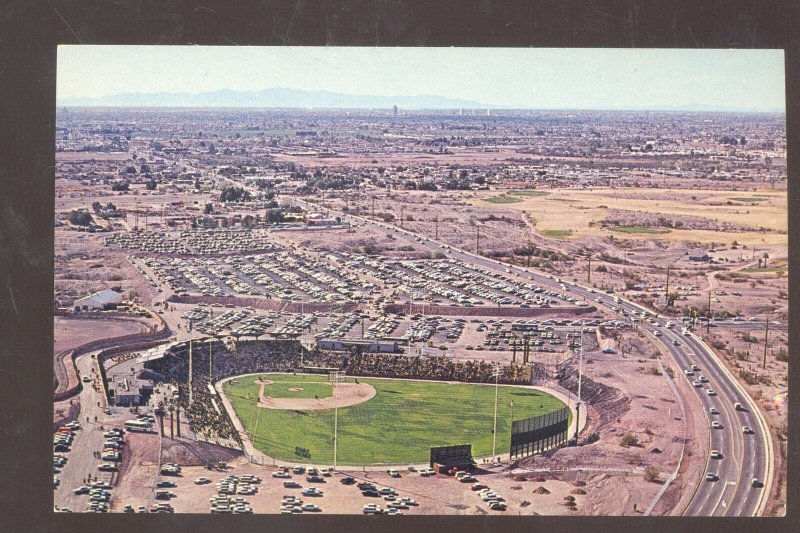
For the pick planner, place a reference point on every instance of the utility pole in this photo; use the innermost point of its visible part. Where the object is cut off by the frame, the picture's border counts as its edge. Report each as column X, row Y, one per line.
column 373, row 208
column 210, row 362
column 402, row 212
column 666, row 293
column 589, row 276
column 477, row 240
column 708, row 322
column 178, row 419
column 190, row 371
column 766, row 338
column 437, row 227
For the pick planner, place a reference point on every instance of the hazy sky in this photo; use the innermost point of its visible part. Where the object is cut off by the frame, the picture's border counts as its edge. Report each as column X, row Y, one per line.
column 499, row 77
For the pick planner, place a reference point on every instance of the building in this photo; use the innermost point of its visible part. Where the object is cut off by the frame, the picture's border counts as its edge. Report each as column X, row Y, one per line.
column 136, row 390
column 704, row 258
column 358, row 345
column 98, row 301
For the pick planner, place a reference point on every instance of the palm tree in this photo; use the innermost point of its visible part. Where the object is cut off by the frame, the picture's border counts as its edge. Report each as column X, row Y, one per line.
column 765, row 257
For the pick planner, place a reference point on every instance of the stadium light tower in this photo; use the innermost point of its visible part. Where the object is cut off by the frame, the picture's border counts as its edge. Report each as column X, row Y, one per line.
column 580, row 375
column 496, row 374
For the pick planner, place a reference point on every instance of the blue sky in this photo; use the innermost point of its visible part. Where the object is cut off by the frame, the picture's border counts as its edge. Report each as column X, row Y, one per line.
column 500, row 77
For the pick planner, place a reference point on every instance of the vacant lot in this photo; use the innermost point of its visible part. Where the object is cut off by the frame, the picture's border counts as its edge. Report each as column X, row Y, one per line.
column 582, row 211
column 398, row 425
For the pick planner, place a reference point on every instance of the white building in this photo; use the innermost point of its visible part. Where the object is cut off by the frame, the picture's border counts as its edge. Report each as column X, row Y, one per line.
column 98, row 301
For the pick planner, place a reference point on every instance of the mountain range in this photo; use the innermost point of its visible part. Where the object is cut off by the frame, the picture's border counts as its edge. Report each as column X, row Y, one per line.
column 275, row 98
column 302, row 99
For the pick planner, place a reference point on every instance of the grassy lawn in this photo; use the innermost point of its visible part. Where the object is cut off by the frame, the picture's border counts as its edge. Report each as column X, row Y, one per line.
column 530, row 193
column 637, row 229
column 767, row 270
column 398, row 425
column 556, row 233
column 747, row 198
column 502, row 200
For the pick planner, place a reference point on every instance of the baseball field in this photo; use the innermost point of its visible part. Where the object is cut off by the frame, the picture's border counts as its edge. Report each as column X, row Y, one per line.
column 397, row 425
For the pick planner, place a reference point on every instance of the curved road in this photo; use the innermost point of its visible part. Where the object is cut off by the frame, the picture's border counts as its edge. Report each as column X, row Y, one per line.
column 744, row 456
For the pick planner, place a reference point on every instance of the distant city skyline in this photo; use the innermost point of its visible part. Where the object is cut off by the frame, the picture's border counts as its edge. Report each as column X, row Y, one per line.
column 519, row 78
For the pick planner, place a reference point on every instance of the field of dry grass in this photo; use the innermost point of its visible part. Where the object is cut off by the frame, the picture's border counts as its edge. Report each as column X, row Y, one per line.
column 581, row 212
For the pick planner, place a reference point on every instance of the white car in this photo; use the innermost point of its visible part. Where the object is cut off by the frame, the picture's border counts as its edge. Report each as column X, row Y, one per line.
column 202, row 481
column 716, row 425
column 711, row 392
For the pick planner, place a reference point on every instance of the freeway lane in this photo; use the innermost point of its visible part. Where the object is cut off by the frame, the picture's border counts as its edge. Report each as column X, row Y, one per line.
column 744, row 456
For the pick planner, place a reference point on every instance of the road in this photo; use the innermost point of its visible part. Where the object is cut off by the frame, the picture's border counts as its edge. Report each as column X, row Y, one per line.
column 745, row 457
column 80, row 460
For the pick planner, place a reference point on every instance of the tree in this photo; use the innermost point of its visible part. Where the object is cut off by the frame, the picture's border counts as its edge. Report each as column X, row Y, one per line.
column 121, row 186
column 274, row 215
column 151, row 184
column 80, row 217
column 96, row 206
column 765, row 257
column 209, row 208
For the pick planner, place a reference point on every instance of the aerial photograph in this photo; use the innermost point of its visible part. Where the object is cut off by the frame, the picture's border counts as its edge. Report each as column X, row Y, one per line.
column 420, row 281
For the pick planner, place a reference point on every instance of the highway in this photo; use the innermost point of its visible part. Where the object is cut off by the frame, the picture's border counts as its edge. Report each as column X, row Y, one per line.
column 744, row 456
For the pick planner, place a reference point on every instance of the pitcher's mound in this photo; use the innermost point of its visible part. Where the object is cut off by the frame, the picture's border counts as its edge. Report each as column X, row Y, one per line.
column 344, row 395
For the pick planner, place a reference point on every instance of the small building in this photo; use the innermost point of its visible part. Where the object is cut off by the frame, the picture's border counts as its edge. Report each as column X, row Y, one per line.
column 131, row 391
column 704, row 258
column 98, row 301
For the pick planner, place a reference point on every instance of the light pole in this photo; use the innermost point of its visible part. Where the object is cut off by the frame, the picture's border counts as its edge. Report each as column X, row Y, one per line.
column 496, row 387
column 578, row 403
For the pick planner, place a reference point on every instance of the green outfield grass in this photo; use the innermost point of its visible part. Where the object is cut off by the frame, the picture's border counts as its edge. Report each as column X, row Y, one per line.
column 310, row 385
column 398, row 425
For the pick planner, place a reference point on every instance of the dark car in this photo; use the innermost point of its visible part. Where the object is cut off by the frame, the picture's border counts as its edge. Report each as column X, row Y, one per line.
column 347, row 480
column 291, row 484
column 366, row 486
column 315, row 479
column 165, row 484
column 370, row 493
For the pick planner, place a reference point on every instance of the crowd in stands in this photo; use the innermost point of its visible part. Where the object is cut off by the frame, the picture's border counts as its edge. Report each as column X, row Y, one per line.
column 251, row 357
column 436, row 368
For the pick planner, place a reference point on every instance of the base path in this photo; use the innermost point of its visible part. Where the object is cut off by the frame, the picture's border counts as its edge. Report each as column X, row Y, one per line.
column 344, row 395
column 256, row 456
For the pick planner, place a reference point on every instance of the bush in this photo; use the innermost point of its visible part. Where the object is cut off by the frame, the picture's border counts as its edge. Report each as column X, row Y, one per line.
column 629, row 439
column 651, row 473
